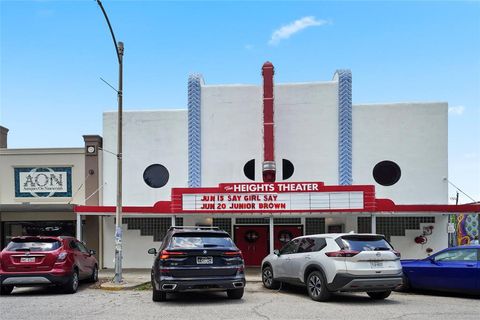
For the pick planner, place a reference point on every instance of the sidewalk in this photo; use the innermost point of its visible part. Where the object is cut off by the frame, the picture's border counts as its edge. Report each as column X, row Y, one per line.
column 133, row 278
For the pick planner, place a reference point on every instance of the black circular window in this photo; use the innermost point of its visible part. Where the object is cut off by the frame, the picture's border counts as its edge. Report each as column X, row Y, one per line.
column 386, row 173
column 156, row 175
column 249, row 169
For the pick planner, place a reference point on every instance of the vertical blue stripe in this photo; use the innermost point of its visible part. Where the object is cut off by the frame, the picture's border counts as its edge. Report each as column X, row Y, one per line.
column 195, row 82
column 344, row 126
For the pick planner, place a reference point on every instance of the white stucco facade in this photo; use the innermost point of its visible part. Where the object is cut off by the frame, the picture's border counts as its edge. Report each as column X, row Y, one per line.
column 413, row 135
column 149, row 137
column 306, row 116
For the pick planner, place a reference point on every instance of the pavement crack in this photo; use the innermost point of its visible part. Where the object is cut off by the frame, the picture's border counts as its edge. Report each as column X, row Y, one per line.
column 258, row 313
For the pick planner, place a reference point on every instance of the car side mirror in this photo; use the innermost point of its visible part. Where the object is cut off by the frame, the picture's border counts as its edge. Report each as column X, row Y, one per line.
column 276, row 252
column 432, row 260
column 152, row 251
column 91, row 252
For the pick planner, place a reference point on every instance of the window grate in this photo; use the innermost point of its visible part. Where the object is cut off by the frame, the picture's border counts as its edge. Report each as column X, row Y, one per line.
column 396, row 226
column 179, row 221
column 364, row 224
column 252, row 221
column 314, row 226
column 287, row 221
column 156, row 227
column 224, row 224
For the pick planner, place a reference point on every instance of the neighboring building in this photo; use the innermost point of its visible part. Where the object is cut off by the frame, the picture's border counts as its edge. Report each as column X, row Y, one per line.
column 39, row 188
column 338, row 167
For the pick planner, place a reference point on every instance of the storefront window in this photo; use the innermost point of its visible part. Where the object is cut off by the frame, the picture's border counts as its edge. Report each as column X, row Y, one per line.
column 36, row 228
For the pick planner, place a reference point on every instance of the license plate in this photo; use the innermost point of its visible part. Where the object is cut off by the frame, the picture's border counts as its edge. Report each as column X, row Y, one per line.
column 376, row 264
column 28, row 259
column 204, row 260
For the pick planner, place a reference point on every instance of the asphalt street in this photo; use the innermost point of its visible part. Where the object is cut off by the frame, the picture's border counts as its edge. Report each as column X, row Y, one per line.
column 258, row 303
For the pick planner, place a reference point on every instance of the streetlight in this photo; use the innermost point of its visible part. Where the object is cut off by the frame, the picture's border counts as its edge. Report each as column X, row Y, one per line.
column 118, row 214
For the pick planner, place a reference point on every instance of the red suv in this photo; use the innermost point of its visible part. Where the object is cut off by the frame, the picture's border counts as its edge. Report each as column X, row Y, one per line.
column 43, row 261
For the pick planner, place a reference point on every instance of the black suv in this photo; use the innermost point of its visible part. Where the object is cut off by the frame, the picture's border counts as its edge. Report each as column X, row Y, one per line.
column 197, row 259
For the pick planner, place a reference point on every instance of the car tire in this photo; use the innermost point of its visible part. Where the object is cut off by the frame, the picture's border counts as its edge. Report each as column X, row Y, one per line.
column 235, row 293
column 405, row 286
column 72, row 284
column 268, row 280
column 5, row 290
column 379, row 295
column 94, row 276
column 159, row 296
column 317, row 287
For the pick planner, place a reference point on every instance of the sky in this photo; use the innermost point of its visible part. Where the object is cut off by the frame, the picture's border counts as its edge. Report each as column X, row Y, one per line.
column 53, row 53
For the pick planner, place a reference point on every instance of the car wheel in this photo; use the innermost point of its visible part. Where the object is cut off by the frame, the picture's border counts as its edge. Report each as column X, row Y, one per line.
column 94, row 276
column 268, row 280
column 379, row 295
column 405, row 287
column 317, row 287
column 235, row 293
column 6, row 290
column 158, row 295
column 72, row 284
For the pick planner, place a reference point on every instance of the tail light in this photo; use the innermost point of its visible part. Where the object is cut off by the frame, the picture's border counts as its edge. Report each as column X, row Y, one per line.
column 171, row 254
column 397, row 253
column 342, row 253
column 62, row 256
column 233, row 254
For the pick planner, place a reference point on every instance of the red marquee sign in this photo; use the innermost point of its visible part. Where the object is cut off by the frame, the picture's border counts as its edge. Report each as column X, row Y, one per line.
column 273, row 197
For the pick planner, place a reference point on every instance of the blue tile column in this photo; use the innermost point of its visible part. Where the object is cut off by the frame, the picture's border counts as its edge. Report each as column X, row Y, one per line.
column 344, row 126
column 195, row 82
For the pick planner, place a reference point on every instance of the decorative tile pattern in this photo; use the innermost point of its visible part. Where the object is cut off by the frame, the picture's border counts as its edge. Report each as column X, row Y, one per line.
column 156, row 227
column 344, row 127
column 195, row 82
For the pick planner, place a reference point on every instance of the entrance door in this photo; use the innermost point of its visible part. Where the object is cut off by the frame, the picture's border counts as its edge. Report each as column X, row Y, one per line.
column 283, row 234
column 253, row 241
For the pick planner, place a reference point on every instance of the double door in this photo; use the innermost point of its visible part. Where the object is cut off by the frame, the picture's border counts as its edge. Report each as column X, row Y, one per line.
column 254, row 240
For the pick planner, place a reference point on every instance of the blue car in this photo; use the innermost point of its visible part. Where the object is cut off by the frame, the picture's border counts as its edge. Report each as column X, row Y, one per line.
column 454, row 269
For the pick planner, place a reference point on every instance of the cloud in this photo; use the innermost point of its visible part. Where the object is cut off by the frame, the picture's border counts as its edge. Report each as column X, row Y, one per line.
column 456, row 111
column 249, row 47
column 290, row 29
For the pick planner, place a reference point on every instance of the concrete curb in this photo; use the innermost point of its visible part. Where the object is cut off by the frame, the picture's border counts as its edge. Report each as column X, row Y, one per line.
column 109, row 286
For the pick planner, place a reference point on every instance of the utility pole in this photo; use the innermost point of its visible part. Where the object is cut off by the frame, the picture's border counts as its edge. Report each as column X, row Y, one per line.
column 118, row 213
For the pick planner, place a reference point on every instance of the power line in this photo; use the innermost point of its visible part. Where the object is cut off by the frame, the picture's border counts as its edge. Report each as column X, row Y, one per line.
column 459, row 190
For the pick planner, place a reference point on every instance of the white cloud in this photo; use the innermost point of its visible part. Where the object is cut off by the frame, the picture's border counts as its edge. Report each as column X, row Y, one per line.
column 456, row 111
column 249, row 47
column 290, row 29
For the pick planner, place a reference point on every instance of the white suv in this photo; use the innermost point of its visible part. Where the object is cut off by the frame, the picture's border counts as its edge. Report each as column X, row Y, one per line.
column 326, row 263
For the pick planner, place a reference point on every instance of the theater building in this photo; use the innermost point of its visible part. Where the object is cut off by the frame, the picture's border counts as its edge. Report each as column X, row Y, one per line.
column 269, row 162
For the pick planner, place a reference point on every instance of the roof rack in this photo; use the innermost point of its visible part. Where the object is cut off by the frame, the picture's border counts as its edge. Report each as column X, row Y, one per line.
column 193, row 228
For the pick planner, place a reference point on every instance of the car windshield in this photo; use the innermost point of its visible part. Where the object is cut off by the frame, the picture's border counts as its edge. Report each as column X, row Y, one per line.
column 200, row 241
column 365, row 243
column 40, row 245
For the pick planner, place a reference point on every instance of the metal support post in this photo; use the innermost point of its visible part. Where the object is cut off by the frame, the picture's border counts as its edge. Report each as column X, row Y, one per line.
column 271, row 231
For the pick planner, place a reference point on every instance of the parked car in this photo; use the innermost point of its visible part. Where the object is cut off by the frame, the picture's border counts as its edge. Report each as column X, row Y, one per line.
column 45, row 261
column 455, row 269
column 326, row 263
column 197, row 259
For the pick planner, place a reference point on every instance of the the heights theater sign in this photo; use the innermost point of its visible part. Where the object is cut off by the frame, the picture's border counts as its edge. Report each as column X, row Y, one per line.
column 273, row 197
